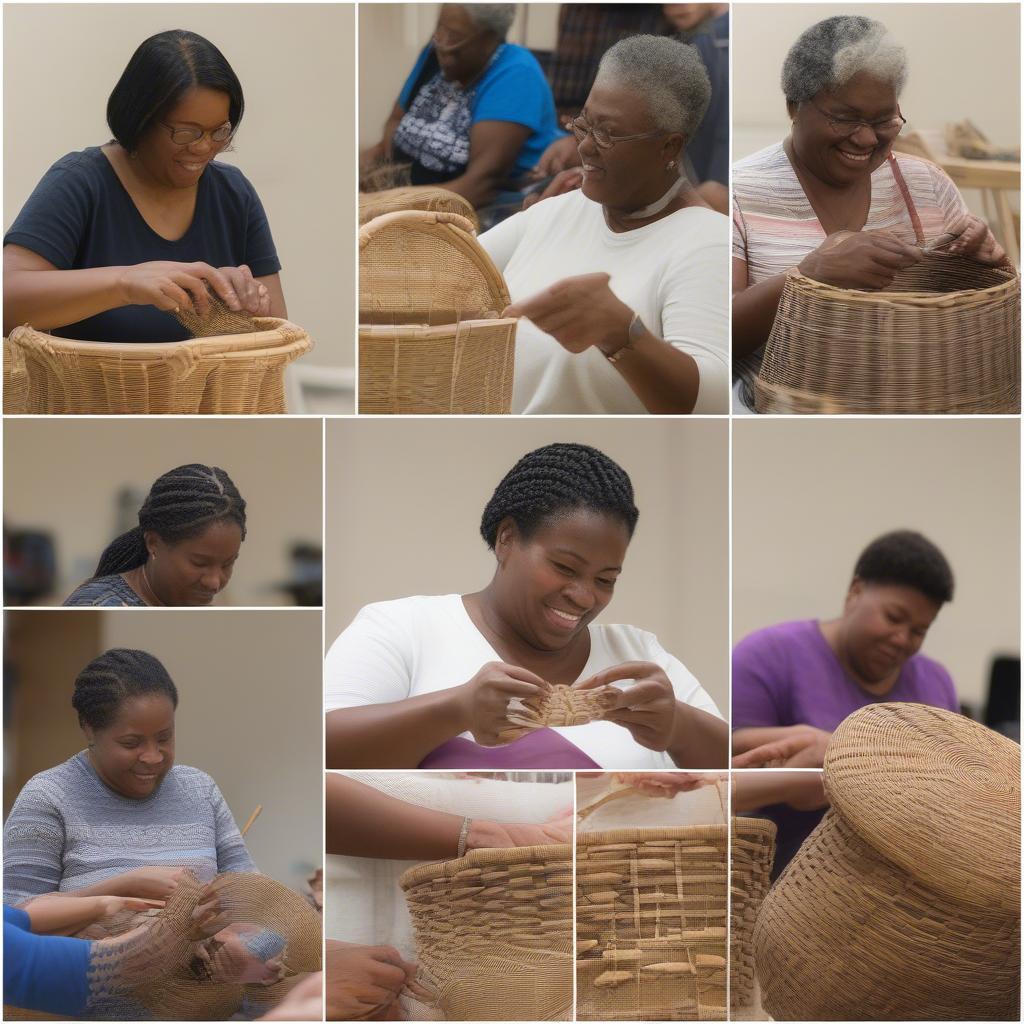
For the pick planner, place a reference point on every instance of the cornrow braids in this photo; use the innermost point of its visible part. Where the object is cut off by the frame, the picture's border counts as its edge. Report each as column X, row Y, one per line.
column 556, row 479
column 112, row 678
column 181, row 504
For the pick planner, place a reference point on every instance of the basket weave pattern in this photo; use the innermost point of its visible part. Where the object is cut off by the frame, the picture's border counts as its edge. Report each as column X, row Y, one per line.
column 562, row 706
column 752, row 853
column 415, row 197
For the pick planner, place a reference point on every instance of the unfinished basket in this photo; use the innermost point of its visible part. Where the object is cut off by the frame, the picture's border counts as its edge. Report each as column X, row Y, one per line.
column 904, row 903
column 415, row 197
column 562, row 706
column 943, row 338
column 752, row 853
column 651, row 923
column 431, row 335
column 15, row 379
column 494, row 933
column 240, row 373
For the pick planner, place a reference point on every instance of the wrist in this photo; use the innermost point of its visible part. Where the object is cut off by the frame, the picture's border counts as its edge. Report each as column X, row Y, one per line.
column 618, row 335
column 483, row 835
column 119, row 286
column 456, row 709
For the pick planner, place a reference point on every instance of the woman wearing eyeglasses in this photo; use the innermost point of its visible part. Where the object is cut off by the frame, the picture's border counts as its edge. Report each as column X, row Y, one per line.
column 116, row 238
column 833, row 198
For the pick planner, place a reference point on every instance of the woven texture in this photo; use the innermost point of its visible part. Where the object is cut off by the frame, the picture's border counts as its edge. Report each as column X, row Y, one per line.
column 494, row 933
column 241, row 373
column 15, row 379
column 562, row 706
column 752, row 853
column 219, row 320
column 943, row 338
column 651, row 923
column 904, row 903
column 431, row 337
column 415, row 197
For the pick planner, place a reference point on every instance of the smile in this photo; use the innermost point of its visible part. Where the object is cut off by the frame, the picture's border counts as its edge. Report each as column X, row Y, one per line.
column 193, row 167
column 562, row 620
column 858, row 158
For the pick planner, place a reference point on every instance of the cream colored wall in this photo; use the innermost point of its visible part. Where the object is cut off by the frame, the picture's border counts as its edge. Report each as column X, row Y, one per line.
column 65, row 480
column 295, row 64
column 405, row 499
column 808, row 497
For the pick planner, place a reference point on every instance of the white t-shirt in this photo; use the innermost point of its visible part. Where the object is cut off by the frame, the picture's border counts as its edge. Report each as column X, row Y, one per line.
column 399, row 649
column 672, row 272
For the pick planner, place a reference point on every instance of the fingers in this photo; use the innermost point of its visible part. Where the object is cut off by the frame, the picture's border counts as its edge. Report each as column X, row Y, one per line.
column 627, row 670
column 220, row 284
column 172, row 297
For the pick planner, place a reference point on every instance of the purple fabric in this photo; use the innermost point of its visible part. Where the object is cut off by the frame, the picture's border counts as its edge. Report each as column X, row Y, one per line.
column 542, row 748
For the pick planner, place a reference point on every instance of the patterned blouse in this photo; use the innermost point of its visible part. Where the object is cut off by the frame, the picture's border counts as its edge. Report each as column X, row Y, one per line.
column 105, row 592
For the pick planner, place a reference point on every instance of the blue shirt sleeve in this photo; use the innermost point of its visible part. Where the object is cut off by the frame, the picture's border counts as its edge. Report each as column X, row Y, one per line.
column 514, row 89
column 403, row 96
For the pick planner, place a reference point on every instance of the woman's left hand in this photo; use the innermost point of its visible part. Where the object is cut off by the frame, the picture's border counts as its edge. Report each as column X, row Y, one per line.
column 975, row 241
column 253, row 296
column 647, row 708
column 579, row 312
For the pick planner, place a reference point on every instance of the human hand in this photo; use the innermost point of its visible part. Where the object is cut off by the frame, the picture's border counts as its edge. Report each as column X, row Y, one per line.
column 560, row 155
column 371, row 156
column 866, row 260
column 155, row 883
column 564, row 181
column 496, row 835
column 363, row 981
column 172, row 286
column 109, row 906
column 253, row 297
column 804, row 747
column 647, row 709
column 975, row 241
column 666, row 784
column 243, row 954
column 304, row 1002
column 481, row 705
column 579, row 312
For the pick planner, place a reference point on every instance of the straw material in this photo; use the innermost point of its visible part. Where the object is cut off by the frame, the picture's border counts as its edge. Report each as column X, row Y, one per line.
column 752, row 853
column 904, row 903
column 415, row 197
column 219, row 320
column 494, row 933
column 431, row 336
column 651, row 923
column 241, row 373
column 562, row 706
column 15, row 380
column 943, row 338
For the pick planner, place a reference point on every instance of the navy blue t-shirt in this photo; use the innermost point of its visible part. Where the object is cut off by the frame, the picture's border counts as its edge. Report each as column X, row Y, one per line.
column 80, row 216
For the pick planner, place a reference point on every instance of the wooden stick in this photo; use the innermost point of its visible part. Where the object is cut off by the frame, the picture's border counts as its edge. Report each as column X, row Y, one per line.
column 252, row 817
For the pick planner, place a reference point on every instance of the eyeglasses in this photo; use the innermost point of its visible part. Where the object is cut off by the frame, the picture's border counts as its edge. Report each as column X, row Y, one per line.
column 844, row 127
column 581, row 128
column 190, row 136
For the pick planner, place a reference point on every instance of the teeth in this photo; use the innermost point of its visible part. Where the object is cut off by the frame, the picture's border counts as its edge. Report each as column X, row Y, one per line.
column 566, row 616
column 192, row 167
column 860, row 157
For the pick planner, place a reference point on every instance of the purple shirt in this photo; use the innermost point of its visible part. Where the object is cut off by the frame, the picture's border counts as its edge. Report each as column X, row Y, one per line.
column 540, row 747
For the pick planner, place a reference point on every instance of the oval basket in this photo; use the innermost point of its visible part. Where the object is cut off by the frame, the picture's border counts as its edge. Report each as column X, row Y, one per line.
column 415, row 197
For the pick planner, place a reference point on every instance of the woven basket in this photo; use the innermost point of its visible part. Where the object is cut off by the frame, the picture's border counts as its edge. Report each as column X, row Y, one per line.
column 240, row 373
column 15, row 379
column 561, row 706
column 753, row 850
column 651, row 923
column 904, row 903
column 415, row 197
column 431, row 338
column 943, row 338
column 494, row 933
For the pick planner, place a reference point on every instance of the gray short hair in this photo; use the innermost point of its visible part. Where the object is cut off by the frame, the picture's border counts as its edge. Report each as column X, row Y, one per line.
column 668, row 74
column 830, row 53
column 496, row 18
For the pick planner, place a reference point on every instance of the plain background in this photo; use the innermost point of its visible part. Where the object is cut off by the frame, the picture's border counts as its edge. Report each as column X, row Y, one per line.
column 295, row 144
column 404, row 502
column 65, row 478
column 250, row 710
column 808, row 497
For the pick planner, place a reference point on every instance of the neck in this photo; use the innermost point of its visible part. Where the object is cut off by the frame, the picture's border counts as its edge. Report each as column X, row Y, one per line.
column 833, row 634
column 467, row 82
column 677, row 195
column 145, row 589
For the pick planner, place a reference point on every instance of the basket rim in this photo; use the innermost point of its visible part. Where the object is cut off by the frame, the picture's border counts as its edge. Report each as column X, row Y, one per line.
column 427, row 331
column 483, row 858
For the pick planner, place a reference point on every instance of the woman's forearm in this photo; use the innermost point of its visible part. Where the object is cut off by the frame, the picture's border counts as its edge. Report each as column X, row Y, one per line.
column 803, row 791
column 60, row 913
column 749, row 738
column 699, row 739
column 54, row 298
column 753, row 314
column 665, row 379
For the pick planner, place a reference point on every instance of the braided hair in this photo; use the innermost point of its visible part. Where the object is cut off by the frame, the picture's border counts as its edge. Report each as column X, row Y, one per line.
column 556, row 479
column 112, row 678
column 181, row 504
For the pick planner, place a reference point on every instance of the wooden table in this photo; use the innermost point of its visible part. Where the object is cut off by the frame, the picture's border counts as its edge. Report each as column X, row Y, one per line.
column 995, row 179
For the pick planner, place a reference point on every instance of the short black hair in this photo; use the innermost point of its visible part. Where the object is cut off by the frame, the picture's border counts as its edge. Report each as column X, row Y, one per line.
column 556, row 479
column 161, row 71
column 909, row 559
column 114, row 677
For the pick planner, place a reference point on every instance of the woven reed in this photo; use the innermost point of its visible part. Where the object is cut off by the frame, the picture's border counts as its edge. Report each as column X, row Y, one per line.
column 415, row 197
column 15, row 379
column 943, row 338
column 651, row 923
column 562, row 706
column 431, row 336
column 494, row 933
column 219, row 320
column 752, row 853
column 241, row 373
column 904, row 903
column 385, row 175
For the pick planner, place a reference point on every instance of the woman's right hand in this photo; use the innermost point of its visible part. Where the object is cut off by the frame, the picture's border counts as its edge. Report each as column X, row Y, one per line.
column 172, row 286
column 864, row 260
column 503, row 835
column 482, row 703
column 364, row 980
column 156, row 883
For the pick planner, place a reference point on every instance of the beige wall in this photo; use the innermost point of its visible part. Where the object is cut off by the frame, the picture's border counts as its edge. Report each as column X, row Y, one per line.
column 405, row 499
column 295, row 63
column 809, row 496
column 65, row 480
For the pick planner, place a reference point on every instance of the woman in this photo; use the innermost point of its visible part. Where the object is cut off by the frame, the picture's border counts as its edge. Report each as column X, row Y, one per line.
column 120, row 818
column 622, row 283
column 117, row 238
column 183, row 551
column 833, row 199
column 475, row 113
column 559, row 524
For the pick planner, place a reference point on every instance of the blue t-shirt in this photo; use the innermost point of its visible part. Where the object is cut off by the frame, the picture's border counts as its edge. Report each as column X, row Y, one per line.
column 80, row 216
column 512, row 88
column 47, row 973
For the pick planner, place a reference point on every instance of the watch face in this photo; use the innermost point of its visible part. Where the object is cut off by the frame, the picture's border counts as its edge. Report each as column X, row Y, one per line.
column 636, row 328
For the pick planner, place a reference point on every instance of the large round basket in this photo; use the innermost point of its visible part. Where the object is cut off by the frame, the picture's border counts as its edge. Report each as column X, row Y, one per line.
column 415, row 197
column 943, row 338
column 494, row 933
column 904, row 903
column 752, row 854
column 431, row 337
column 237, row 373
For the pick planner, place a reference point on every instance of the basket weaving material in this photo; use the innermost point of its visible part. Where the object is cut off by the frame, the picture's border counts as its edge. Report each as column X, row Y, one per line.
column 752, row 853
column 431, row 335
column 943, row 338
column 415, row 197
column 904, row 903
column 240, row 373
column 651, row 923
column 219, row 319
column 494, row 933
column 15, row 379
column 562, row 706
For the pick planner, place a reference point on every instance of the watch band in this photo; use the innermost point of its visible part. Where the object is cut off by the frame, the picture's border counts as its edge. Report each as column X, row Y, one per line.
column 463, row 836
column 634, row 332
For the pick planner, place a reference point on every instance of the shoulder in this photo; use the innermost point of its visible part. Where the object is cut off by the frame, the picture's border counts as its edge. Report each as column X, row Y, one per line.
column 408, row 612
column 106, row 591
column 53, row 784
column 85, row 170
column 228, row 180
column 922, row 176
column 697, row 228
column 933, row 674
column 569, row 208
column 756, row 165
column 188, row 781
column 629, row 643
column 775, row 639
column 516, row 60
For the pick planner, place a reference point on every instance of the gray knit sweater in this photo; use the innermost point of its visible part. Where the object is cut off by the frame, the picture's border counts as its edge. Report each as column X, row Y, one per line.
column 68, row 830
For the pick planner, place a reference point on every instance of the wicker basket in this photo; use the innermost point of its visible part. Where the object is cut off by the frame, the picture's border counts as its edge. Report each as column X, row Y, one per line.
column 494, row 933
column 753, row 850
column 15, row 379
column 651, row 923
column 904, row 903
column 240, row 373
column 415, row 197
column 943, row 338
column 431, row 338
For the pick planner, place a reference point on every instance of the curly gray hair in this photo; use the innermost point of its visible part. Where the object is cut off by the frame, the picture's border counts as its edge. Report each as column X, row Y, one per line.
column 496, row 18
column 669, row 75
column 830, row 53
